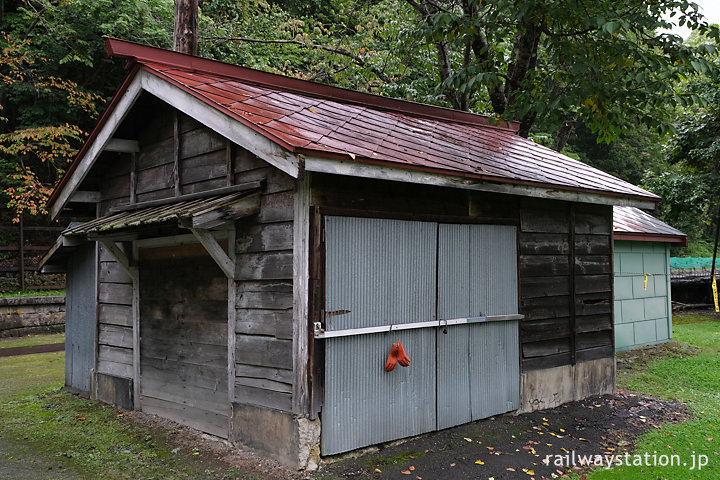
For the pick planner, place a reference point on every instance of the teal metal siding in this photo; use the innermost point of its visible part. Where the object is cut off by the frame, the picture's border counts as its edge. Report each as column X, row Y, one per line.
column 643, row 315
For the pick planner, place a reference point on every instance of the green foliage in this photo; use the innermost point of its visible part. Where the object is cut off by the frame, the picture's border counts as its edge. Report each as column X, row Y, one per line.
column 603, row 63
column 629, row 157
column 54, row 80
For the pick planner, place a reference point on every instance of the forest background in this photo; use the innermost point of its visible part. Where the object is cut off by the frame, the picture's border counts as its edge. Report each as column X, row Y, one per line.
column 600, row 80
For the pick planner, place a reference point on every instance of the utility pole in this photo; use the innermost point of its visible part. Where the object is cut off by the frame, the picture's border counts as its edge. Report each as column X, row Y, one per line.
column 186, row 26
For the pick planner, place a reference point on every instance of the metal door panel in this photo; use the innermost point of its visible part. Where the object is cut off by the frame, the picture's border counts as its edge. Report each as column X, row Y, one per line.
column 477, row 275
column 381, row 271
column 494, row 369
column 365, row 405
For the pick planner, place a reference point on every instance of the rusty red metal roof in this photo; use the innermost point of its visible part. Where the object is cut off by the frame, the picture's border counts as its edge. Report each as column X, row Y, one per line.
column 328, row 122
column 631, row 223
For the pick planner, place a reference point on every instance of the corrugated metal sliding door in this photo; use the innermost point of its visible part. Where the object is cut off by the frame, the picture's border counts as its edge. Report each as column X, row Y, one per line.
column 381, row 272
column 390, row 272
column 80, row 317
column 478, row 372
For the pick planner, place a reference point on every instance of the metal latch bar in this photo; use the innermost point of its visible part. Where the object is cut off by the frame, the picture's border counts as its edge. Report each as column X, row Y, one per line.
column 320, row 333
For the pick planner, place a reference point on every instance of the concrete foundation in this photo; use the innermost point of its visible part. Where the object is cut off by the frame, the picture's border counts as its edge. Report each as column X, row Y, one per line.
column 548, row 388
column 113, row 390
column 292, row 440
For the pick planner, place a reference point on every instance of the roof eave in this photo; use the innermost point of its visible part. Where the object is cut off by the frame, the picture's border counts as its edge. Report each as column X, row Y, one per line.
column 677, row 240
column 386, row 171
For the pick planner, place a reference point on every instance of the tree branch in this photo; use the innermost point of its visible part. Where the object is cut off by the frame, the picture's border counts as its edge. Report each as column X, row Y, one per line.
column 340, row 51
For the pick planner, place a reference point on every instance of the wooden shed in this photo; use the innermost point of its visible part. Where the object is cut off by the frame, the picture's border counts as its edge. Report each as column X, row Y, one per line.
column 264, row 241
column 643, row 309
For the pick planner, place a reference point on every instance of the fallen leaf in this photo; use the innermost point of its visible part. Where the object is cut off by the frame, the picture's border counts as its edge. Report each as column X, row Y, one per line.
column 418, row 477
column 510, row 469
column 452, row 464
column 583, row 439
column 411, row 468
column 562, row 430
column 377, row 470
column 530, row 472
column 120, row 415
column 490, row 448
column 312, row 110
column 196, row 453
column 405, row 472
column 468, row 439
column 479, row 462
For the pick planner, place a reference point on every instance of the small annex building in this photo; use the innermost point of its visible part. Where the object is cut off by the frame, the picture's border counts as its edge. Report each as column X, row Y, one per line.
column 643, row 308
column 250, row 246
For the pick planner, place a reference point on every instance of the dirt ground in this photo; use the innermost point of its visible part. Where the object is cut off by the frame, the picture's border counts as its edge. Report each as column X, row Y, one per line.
column 514, row 446
column 502, row 447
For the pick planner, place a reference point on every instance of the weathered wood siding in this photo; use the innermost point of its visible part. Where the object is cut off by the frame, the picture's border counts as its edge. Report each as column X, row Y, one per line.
column 263, row 354
column 183, row 343
column 202, row 161
column 565, row 283
column 115, row 319
column 565, row 257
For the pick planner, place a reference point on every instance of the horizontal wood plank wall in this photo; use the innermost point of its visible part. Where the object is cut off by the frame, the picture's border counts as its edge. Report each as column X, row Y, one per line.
column 546, row 268
column 549, row 334
column 264, row 302
column 202, row 160
column 114, row 319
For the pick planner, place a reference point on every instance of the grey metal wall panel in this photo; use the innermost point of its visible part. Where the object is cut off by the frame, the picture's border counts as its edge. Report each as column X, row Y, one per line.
column 383, row 271
column 453, row 376
column 478, row 368
column 364, row 404
column 494, row 369
column 493, row 266
column 80, row 317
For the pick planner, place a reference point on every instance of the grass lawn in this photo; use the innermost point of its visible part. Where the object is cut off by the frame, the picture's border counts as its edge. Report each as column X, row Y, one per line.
column 693, row 379
column 43, row 427
column 29, row 340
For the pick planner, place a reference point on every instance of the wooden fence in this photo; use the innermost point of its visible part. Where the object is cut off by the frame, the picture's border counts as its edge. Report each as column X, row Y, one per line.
column 21, row 249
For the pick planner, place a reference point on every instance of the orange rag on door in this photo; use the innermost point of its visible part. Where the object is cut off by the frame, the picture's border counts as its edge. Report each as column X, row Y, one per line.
column 392, row 359
column 402, row 359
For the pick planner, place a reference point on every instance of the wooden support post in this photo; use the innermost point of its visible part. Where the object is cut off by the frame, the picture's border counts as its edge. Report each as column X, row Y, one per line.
column 176, row 153
column 301, row 281
column 229, row 162
column 137, row 404
column 571, row 253
column 232, row 319
column 216, row 251
column 21, row 254
column 133, row 178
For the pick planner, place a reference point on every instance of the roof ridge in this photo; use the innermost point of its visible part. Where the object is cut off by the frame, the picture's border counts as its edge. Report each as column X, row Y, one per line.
column 143, row 54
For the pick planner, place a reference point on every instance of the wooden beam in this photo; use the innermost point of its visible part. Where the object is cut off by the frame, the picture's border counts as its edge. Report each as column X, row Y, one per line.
column 242, row 208
column 122, row 145
column 229, row 163
column 82, row 196
column 222, row 123
column 133, row 178
column 98, row 145
column 301, row 282
column 216, row 251
column 120, row 257
column 355, row 169
column 241, row 187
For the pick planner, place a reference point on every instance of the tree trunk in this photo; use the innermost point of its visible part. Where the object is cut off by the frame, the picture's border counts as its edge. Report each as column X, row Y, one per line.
column 186, row 26
column 563, row 135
